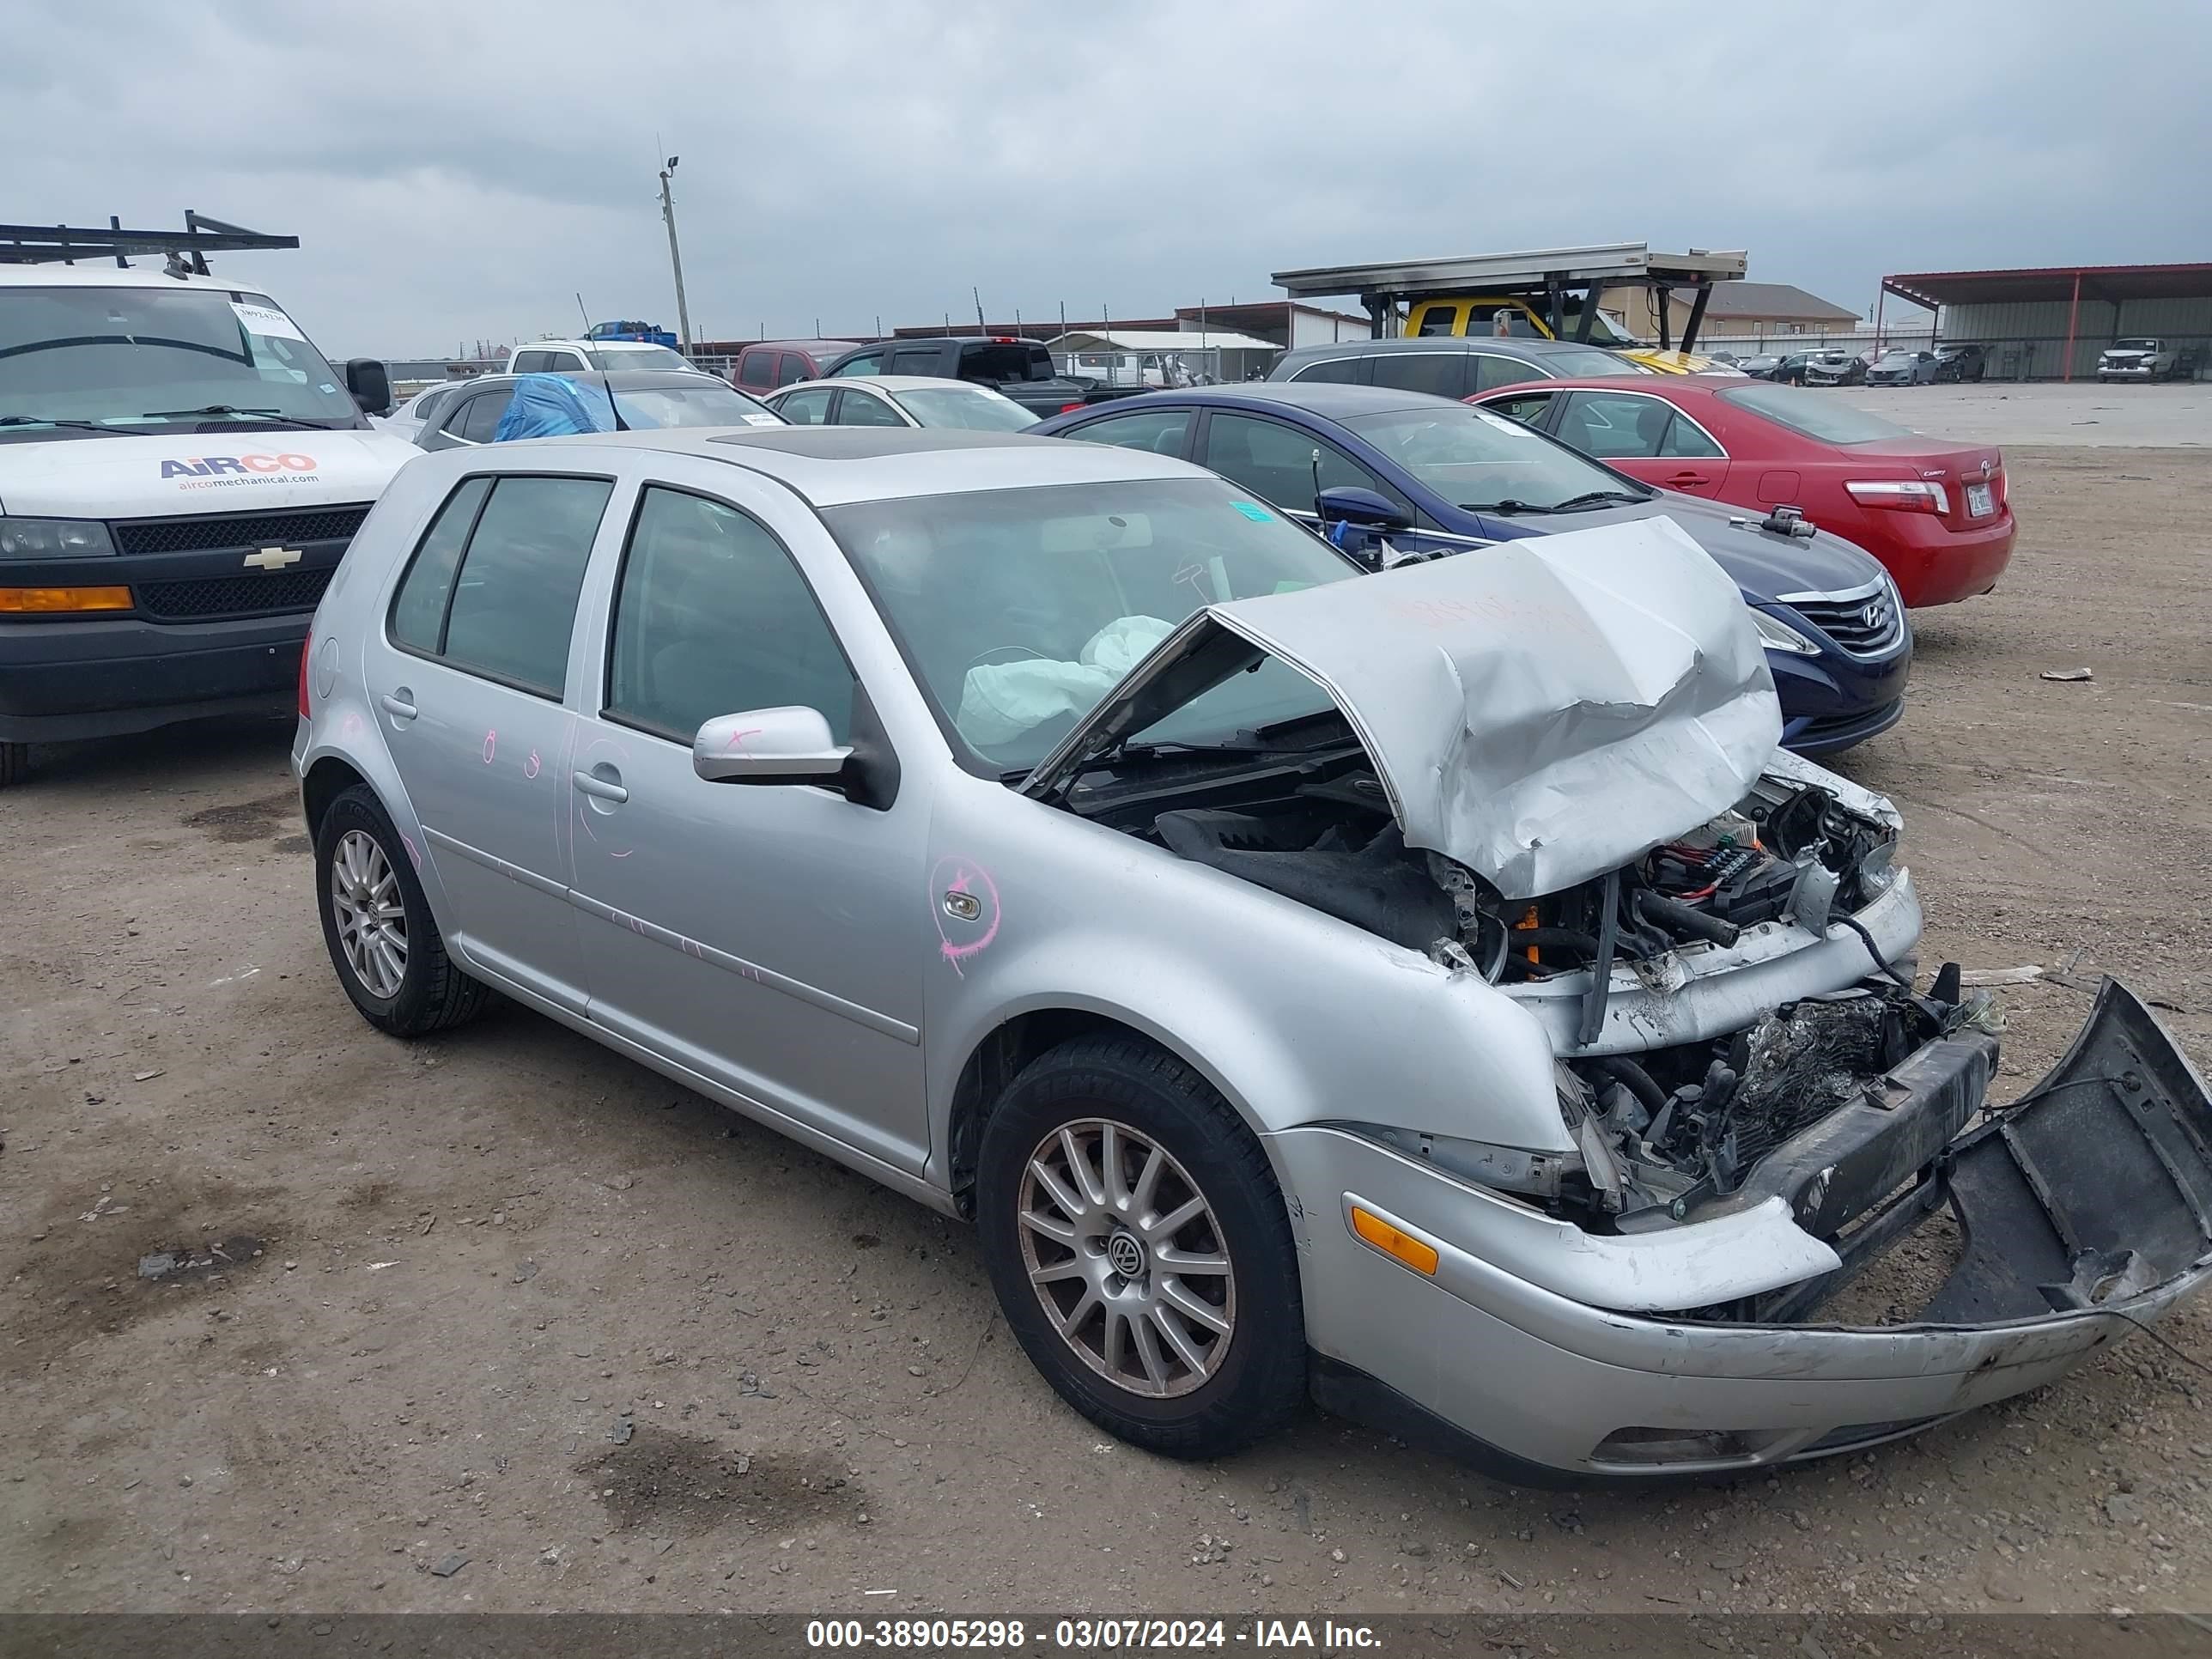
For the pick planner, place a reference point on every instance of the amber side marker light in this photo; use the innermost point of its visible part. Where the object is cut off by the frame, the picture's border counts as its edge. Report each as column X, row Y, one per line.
column 47, row 601
column 1398, row 1246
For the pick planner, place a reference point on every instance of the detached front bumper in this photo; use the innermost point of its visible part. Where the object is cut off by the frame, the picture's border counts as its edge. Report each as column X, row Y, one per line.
column 2086, row 1209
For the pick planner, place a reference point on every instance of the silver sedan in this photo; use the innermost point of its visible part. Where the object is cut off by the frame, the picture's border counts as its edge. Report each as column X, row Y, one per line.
column 1429, row 991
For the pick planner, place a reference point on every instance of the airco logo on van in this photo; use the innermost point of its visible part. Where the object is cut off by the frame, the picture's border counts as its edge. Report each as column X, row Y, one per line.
column 207, row 466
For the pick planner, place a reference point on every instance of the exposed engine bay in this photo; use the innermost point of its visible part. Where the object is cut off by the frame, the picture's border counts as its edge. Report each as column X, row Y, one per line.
column 1662, row 1130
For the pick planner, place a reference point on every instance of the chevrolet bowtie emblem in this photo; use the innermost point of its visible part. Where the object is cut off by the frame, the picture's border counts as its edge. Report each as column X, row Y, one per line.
column 274, row 558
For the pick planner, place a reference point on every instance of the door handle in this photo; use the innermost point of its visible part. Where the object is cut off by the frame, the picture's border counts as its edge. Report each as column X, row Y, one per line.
column 1689, row 478
column 399, row 704
column 604, row 788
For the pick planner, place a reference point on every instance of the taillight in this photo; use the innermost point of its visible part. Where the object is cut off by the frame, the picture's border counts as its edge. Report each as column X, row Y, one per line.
column 306, row 646
column 1901, row 494
column 1069, row 409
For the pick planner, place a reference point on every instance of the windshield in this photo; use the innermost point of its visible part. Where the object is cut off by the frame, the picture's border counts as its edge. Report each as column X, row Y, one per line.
column 2135, row 345
column 1814, row 414
column 151, row 359
column 976, row 408
column 1482, row 461
column 638, row 356
column 1020, row 610
column 708, row 403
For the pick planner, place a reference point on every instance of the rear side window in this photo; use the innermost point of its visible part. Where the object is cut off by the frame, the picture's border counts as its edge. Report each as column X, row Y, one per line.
column 712, row 617
column 534, row 362
column 805, row 408
column 865, row 409
column 418, row 611
column 1440, row 373
column 1162, row 431
column 757, row 369
column 479, row 419
column 507, row 611
column 1616, row 425
column 1492, row 371
column 1687, row 440
column 1336, row 370
column 919, row 360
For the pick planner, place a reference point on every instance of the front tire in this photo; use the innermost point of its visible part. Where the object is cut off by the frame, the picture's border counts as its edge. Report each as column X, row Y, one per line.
column 378, row 927
column 1141, row 1251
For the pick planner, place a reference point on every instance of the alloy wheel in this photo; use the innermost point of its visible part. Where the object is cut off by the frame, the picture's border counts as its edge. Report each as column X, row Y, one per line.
column 1127, row 1258
column 371, row 917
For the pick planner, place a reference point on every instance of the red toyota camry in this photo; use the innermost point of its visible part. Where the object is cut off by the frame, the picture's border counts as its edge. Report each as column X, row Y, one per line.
column 1934, row 512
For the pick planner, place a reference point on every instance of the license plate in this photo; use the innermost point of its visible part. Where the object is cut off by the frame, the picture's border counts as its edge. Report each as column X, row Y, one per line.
column 1981, row 500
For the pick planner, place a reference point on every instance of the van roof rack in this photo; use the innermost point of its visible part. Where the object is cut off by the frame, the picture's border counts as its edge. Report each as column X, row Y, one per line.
column 186, row 249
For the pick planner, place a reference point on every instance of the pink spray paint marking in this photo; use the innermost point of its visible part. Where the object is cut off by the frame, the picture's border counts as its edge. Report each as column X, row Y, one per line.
column 491, row 742
column 954, row 874
column 353, row 727
column 530, row 766
column 583, row 763
column 737, row 738
column 414, row 857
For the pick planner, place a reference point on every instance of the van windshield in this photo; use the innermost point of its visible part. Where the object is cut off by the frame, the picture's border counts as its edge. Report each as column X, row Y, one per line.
column 156, row 359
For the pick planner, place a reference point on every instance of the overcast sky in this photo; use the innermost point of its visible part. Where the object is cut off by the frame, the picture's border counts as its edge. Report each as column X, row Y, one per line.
column 458, row 170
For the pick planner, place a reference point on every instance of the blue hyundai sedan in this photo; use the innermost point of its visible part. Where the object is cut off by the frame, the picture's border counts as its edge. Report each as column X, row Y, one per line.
column 1369, row 465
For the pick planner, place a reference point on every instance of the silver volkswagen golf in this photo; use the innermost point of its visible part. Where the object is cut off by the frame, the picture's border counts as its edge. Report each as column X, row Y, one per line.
column 1431, row 991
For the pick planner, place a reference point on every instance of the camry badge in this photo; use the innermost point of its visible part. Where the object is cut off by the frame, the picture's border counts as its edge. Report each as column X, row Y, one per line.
column 274, row 558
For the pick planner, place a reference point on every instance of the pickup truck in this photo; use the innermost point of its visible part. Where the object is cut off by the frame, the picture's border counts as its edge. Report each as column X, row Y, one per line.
column 1020, row 369
column 2145, row 360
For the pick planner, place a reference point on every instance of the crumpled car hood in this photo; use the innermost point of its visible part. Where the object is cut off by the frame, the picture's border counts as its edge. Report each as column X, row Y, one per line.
column 1541, row 711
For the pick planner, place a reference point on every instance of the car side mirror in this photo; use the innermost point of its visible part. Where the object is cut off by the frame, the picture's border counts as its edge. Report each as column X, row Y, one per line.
column 769, row 745
column 1368, row 508
column 370, row 384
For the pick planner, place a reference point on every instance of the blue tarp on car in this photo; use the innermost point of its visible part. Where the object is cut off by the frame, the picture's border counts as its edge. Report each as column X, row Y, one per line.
column 554, row 406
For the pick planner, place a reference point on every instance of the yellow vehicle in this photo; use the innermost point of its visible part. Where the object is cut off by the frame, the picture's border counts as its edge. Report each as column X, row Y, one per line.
column 1480, row 314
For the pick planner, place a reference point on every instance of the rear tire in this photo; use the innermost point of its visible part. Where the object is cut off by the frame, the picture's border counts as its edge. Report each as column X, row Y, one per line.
column 378, row 927
column 14, row 762
column 1186, row 1339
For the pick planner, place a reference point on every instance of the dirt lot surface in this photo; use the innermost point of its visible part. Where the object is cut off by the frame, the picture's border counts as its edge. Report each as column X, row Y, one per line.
column 500, row 1321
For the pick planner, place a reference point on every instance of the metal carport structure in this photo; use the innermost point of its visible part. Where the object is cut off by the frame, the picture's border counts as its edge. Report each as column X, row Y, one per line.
column 2075, row 309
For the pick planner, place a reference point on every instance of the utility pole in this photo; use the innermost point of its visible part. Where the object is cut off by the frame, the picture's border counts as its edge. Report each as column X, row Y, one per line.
column 675, row 256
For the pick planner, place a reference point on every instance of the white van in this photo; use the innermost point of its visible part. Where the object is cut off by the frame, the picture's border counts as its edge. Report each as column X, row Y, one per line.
column 180, row 471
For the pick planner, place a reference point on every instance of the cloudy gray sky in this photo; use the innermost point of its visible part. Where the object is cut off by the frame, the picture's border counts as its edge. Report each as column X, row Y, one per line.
column 457, row 170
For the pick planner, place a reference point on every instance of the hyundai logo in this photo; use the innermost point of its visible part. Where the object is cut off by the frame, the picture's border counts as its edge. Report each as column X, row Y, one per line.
column 1875, row 614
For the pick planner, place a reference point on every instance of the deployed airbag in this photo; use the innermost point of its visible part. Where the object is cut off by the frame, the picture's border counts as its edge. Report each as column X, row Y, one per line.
column 999, row 701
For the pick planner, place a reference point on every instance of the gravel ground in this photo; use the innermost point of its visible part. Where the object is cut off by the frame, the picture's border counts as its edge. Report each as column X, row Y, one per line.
column 503, row 1322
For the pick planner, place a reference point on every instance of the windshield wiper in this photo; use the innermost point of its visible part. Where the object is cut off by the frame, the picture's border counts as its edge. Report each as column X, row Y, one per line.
column 231, row 412
column 1509, row 504
column 1593, row 497
column 73, row 426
